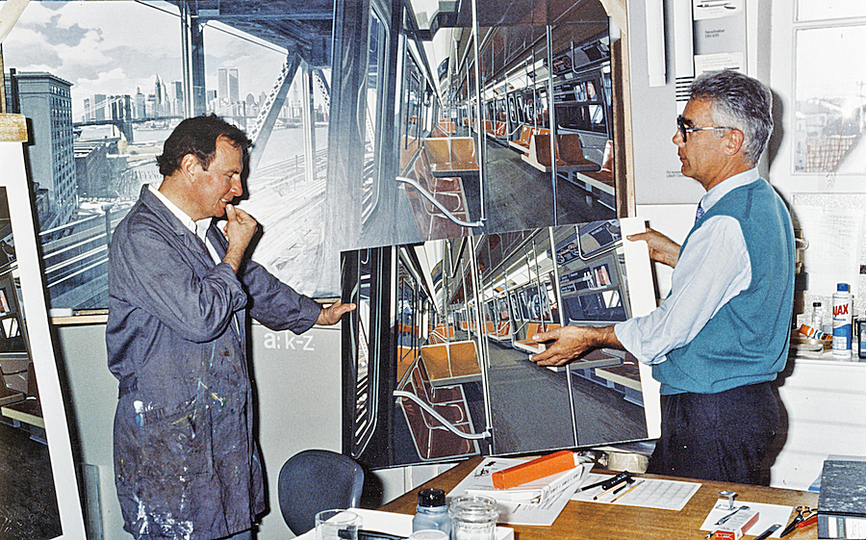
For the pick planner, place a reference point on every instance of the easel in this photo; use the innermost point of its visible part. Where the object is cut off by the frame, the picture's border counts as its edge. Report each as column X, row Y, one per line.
column 13, row 136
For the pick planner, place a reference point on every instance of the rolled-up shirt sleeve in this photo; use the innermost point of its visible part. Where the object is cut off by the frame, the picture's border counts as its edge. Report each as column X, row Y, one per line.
column 713, row 268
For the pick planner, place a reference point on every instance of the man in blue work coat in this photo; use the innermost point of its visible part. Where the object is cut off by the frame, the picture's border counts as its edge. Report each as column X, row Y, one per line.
column 180, row 290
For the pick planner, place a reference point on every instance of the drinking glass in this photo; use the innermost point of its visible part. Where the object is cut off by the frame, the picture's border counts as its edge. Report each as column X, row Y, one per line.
column 337, row 524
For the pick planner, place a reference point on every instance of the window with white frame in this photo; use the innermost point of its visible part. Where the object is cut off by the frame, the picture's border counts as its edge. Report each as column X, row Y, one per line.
column 829, row 94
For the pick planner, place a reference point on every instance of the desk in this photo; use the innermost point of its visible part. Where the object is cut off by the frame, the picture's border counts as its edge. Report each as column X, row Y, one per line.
column 594, row 521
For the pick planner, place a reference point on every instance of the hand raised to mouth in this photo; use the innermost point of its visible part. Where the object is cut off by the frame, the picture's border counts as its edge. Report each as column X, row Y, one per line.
column 239, row 231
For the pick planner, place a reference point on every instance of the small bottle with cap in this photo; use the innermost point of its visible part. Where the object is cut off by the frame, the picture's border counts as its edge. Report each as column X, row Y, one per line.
column 817, row 316
column 432, row 512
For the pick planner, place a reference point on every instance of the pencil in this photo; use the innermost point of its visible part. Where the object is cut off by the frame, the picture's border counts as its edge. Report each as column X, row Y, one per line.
column 626, row 492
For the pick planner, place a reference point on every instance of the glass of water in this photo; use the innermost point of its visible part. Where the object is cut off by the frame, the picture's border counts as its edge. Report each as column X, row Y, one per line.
column 337, row 524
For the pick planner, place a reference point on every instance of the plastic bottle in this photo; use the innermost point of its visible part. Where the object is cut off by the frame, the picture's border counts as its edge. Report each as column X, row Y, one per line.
column 432, row 512
column 842, row 322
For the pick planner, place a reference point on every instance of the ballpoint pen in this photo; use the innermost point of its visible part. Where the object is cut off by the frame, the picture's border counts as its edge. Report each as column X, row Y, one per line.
column 364, row 534
column 607, row 482
column 725, row 518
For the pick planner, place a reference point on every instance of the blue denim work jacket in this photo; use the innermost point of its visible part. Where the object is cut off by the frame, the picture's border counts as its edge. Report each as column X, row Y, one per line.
column 186, row 462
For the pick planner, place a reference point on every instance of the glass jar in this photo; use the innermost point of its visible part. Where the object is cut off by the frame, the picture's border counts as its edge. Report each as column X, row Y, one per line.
column 473, row 517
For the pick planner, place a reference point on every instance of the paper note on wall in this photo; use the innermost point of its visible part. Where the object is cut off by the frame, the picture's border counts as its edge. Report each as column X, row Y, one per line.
column 833, row 255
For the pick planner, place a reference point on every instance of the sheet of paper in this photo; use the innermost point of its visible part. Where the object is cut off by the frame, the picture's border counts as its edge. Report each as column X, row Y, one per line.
column 719, row 61
column 513, row 512
column 768, row 514
column 833, row 255
column 397, row 524
column 649, row 493
column 715, row 9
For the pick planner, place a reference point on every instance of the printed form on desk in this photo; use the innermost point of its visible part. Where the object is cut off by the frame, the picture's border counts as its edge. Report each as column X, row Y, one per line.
column 534, row 503
column 646, row 492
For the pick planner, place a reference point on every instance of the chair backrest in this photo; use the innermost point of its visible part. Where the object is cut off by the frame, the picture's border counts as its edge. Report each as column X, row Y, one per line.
column 316, row 480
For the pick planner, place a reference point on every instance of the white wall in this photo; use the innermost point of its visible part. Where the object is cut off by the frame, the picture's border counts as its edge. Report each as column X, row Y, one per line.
column 91, row 395
column 299, row 394
column 823, row 402
column 299, row 397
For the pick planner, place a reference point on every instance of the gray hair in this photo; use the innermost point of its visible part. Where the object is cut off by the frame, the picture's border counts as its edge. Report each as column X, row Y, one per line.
column 739, row 102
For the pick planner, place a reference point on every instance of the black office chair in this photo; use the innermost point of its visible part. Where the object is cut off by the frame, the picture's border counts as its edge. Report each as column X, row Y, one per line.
column 316, row 480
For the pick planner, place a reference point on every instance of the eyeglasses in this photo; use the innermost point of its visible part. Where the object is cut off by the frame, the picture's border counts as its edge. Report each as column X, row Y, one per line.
column 685, row 129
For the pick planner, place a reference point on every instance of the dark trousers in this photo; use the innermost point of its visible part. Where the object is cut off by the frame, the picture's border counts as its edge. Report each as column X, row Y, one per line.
column 722, row 436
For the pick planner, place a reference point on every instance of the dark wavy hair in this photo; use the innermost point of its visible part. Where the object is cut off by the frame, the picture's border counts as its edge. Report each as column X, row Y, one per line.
column 198, row 136
column 739, row 102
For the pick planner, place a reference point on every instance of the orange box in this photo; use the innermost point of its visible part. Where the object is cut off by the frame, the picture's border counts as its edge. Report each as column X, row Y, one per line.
column 556, row 462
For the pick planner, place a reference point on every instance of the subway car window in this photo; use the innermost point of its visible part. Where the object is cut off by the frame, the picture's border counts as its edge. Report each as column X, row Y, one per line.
column 87, row 170
column 377, row 48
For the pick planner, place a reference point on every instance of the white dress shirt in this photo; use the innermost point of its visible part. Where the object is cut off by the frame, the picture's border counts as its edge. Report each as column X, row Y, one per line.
column 713, row 268
column 199, row 227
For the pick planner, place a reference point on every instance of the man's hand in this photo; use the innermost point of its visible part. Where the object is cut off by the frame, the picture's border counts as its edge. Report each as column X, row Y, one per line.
column 331, row 314
column 661, row 248
column 239, row 231
column 569, row 342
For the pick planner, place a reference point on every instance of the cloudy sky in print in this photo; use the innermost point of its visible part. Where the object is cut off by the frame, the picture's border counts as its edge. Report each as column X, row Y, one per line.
column 117, row 46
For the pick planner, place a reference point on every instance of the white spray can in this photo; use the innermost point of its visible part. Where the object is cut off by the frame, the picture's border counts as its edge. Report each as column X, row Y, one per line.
column 842, row 322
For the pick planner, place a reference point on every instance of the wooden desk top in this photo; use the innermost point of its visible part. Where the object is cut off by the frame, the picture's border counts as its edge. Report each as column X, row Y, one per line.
column 594, row 521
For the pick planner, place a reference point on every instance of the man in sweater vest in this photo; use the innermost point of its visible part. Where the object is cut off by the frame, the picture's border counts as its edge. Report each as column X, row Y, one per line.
column 720, row 338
